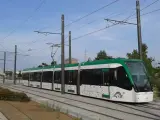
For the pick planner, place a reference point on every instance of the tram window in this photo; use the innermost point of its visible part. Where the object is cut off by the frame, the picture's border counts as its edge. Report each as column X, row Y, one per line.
column 25, row 76
column 106, row 78
column 32, row 77
column 35, row 76
column 74, row 77
column 122, row 79
column 47, row 76
column 71, row 77
column 91, row 77
column 57, row 77
column 111, row 77
column 66, row 77
column 85, row 77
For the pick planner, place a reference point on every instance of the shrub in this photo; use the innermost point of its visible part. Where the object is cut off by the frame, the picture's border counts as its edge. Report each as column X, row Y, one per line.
column 6, row 94
column 155, row 92
column 156, row 87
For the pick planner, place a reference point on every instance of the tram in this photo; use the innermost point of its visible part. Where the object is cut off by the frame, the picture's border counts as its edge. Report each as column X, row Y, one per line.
column 124, row 80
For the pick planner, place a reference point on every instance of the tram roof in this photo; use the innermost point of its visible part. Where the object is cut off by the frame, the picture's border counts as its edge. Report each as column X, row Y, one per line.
column 96, row 62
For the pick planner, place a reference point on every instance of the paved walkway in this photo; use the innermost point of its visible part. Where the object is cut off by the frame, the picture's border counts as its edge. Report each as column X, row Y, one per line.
column 29, row 111
column 2, row 117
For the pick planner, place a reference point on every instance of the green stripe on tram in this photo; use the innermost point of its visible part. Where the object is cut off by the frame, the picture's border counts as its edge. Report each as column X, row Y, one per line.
column 105, row 96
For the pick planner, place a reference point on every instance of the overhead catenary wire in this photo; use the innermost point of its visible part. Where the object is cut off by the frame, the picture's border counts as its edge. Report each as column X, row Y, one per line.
column 150, row 12
column 74, row 21
column 91, row 13
column 111, row 25
column 93, row 21
column 93, row 32
column 28, row 18
column 150, row 5
column 38, row 41
column 54, row 53
column 134, row 13
column 14, row 30
column 14, row 53
column 34, row 41
column 110, row 16
column 147, row 13
column 44, row 40
column 105, row 28
column 118, row 23
column 87, row 16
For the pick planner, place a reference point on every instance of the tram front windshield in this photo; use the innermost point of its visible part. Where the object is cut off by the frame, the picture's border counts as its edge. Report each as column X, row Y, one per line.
column 139, row 76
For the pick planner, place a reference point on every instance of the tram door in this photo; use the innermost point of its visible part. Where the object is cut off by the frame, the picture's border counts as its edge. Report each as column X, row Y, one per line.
column 71, row 81
column 57, row 80
column 106, row 84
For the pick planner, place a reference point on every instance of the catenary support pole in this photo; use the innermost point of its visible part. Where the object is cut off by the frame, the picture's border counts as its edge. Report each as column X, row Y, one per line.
column 4, row 67
column 139, row 29
column 62, row 55
column 53, row 79
column 78, row 80
column 70, row 57
column 15, row 62
column 41, row 78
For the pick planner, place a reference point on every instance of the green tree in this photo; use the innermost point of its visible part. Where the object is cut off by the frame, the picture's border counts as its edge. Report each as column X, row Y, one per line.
column 102, row 55
column 147, row 60
column 153, row 72
column 53, row 63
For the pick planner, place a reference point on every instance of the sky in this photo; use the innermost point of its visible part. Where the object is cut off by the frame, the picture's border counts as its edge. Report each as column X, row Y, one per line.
column 20, row 18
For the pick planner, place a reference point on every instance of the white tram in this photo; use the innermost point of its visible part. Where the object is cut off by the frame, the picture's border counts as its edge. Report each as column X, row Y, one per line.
column 123, row 80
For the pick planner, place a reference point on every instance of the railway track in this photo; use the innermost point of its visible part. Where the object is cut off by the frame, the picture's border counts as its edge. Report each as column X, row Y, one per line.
column 104, row 109
column 150, row 106
column 141, row 108
column 138, row 106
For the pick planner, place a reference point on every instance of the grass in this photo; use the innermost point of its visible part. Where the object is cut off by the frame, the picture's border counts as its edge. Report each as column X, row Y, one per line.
column 6, row 94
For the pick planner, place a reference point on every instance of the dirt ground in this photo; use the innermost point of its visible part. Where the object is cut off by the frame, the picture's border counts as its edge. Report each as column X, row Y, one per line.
column 30, row 111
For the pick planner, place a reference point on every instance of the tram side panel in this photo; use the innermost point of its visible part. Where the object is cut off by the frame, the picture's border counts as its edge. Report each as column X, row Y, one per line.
column 121, row 88
column 92, row 83
column 107, row 83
